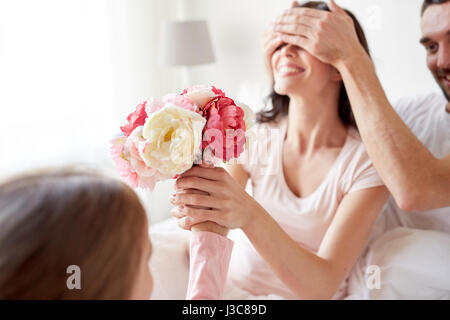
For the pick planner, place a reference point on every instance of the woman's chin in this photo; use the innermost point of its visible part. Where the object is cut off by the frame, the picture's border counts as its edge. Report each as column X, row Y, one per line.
column 284, row 90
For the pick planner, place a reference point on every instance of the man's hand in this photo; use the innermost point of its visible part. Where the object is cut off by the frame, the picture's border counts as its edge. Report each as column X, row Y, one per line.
column 271, row 40
column 329, row 36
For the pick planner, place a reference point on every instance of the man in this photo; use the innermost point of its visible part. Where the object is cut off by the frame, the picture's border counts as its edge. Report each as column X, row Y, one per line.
column 408, row 144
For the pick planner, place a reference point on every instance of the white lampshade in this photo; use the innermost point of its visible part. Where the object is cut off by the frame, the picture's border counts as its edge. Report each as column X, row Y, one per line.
column 185, row 43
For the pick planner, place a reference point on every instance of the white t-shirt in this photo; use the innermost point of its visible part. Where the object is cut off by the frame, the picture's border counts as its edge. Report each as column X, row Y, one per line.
column 428, row 119
column 305, row 220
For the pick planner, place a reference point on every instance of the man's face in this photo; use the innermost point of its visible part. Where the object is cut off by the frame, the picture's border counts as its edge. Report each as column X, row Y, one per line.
column 436, row 40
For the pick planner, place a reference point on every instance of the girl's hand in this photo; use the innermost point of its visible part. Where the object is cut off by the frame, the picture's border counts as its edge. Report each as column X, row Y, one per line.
column 329, row 36
column 195, row 225
column 210, row 227
column 226, row 204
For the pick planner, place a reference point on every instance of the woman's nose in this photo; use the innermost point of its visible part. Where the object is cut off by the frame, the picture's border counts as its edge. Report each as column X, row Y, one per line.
column 288, row 50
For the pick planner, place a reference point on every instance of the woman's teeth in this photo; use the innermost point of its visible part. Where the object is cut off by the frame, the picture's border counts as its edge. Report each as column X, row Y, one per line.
column 288, row 70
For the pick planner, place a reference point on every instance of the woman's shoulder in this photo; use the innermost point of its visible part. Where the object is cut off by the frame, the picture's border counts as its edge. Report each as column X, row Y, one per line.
column 353, row 156
column 357, row 169
column 354, row 141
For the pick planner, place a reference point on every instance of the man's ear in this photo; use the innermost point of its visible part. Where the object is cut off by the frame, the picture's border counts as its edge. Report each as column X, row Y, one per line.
column 336, row 75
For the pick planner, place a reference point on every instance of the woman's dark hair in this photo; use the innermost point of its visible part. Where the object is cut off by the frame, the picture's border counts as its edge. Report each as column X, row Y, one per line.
column 61, row 217
column 280, row 103
column 428, row 3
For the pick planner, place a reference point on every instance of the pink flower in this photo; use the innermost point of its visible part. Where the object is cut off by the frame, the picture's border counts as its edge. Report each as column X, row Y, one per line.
column 224, row 132
column 129, row 164
column 153, row 105
column 201, row 95
column 218, row 92
column 138, row 117
column 121, row 163
column 135, row 119
column 181, row 101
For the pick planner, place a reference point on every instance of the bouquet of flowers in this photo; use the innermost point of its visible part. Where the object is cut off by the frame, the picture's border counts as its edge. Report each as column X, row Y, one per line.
column 164, row 138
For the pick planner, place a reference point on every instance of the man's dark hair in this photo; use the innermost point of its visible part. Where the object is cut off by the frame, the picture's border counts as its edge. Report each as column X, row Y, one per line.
column 428, row 3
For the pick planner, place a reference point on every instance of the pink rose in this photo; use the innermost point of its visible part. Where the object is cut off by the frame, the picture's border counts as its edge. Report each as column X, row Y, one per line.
column 121, row 163
column 218, row 92
column 201, row 95
column 129, row 164
column 135, row 119
column 182, row 102
column 153, row 105
column 224, row 131
column 138, row 117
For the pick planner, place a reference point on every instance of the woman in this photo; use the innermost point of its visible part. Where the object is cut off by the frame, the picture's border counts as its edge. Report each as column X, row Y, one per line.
column 315, row 199
column 61, row 221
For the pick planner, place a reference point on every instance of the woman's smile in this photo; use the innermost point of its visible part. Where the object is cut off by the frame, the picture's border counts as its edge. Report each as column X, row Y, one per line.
column 288, row 69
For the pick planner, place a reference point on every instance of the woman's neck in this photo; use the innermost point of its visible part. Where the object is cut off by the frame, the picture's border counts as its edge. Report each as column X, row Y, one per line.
column 314, row 123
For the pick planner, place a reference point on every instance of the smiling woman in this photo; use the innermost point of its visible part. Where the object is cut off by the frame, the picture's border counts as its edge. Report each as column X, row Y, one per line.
column 314, row 204
column 280, row 103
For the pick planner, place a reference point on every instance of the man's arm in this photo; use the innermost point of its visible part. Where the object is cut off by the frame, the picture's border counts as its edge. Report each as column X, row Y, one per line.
column 416, row 179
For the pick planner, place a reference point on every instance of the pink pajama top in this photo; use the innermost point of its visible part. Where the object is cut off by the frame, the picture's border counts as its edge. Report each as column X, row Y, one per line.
column 210, row 255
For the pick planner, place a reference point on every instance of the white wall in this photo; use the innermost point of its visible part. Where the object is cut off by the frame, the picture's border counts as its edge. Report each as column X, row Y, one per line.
column 236, row 27
column 55, row 83
column 392, row 28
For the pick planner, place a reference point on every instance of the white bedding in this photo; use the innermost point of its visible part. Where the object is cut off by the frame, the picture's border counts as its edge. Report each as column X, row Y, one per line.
column 414, row 264
column 169, row 265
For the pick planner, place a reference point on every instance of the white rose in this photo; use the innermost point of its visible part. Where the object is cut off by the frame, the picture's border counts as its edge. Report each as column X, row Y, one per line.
column 173, row 138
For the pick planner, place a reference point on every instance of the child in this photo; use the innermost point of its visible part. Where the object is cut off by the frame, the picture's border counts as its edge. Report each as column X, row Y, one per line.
column 56, row 221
